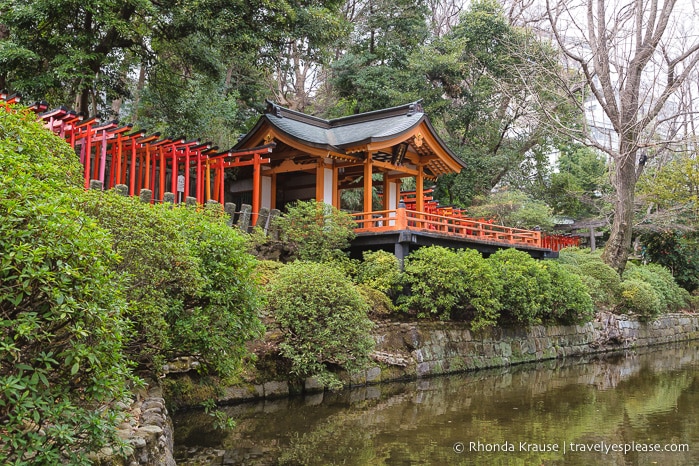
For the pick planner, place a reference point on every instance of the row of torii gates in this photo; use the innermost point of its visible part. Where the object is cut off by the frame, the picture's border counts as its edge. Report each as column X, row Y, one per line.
column 288, row 156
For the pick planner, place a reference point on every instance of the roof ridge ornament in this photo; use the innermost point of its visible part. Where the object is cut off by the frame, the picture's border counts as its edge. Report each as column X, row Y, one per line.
column 274, row 108
column 415, row 107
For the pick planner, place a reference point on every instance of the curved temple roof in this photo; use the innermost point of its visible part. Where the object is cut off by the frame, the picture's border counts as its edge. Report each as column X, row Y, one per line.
column 356, row 133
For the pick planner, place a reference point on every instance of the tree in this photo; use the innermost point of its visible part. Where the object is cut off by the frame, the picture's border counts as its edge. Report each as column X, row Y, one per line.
column 633, row 58
column 488, row 94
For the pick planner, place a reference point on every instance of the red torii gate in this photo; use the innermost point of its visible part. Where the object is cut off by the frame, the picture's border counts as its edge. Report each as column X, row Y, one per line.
column 116, row 154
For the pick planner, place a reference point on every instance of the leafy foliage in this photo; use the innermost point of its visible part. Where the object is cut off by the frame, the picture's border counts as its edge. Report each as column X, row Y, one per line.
column 315, row 231
column 189, row 282
column 568, row 300
column 638, row 296
column 323, row 318
column 442, row 282
column 676, row 251
column 380, row 270
column 601, row 280
column 61, row 306
column 671, row 296
column 514, row 209
column 527, row 286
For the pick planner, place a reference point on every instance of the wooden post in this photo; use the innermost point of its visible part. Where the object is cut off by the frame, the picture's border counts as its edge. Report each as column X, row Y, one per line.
column 222, row 191
column 256, row 187
column 88, row 152
column 103, row 156
column 273, row 194
column 419, row 190
column 336, row 190
column 173, row 180
column 147, row 163
column 208, row 181
column 187, row 154
column 161, row 189
column 132, row 174
column 320, row 180
column 386, row 193
column 368, row 204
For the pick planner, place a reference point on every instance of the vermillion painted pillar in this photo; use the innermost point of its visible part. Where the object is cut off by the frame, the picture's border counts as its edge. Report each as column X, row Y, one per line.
column 175, row 172
column 222, row 191
column 117, row 172
column 336, row 191
column 368, row 185
column 386, row 192
column 132, row 173
column 88, row 154
column 320, row 180
column 419, row 190
column 147, row 180
column 208, row 181
column 187, row 155
column 256, row 188
column 103, row 157
column 161, row 189
column 200, row 179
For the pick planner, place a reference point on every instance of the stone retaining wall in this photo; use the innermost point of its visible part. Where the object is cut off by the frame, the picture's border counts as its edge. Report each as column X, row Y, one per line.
column 423, row 349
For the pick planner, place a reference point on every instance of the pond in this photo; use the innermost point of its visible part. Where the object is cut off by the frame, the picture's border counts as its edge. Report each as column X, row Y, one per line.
column 634, row 408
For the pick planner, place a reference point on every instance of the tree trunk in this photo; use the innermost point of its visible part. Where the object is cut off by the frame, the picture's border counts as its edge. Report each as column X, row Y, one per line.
column 617, row 249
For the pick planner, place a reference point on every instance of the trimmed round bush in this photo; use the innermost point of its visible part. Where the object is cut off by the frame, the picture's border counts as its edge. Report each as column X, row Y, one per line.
column 380, row 270
column 638, row 297
column 526, row 286
column 672, row 296
column 569, row 301
column 323, row 319
column 608, row 279
column 441, row 282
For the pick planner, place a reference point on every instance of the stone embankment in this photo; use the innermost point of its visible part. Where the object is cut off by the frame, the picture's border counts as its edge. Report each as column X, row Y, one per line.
column 422, row 349
column 147, row 432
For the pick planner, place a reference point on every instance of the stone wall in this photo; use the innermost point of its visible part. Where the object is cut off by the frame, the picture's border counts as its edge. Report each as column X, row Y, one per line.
column 423, row 349
column 147, row 431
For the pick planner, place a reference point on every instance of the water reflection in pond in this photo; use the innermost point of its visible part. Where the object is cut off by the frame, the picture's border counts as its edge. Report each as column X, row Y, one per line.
column 578, row 411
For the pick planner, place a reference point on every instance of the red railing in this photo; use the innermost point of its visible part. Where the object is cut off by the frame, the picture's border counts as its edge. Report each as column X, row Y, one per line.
column 405, row 219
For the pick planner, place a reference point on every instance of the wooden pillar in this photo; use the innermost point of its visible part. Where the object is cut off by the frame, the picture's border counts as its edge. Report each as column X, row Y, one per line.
column 368, row 168
column 256, row 188
column 200, row 179
column 147, row 163
column 222, row 191
column 207, row 182
column 273, row 194
column 132, row 174
column 103, row 157
column 419, row 190
column 173, row 179
column 320, row 180
column 88, row 152
column 336, row 190
column 187, row 155
column 161, row 188
column 386, row 192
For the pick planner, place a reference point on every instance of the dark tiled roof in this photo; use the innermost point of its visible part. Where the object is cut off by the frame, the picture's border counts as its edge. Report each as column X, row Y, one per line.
column 340, row 133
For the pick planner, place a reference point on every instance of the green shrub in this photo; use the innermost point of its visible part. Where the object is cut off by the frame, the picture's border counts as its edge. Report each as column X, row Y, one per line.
column 569, row 301
column 61, row 304
column 526, row 286
column 380, row 305
column 380, row 270
column 608, row 279
column 315, row 231
column 190, row 282
column 266, row 270
column 577, row 256
column 441, row 282
column 222, row 315
column 323, row 319
column 672, row 296
column 677, row 251
column 638, row 297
